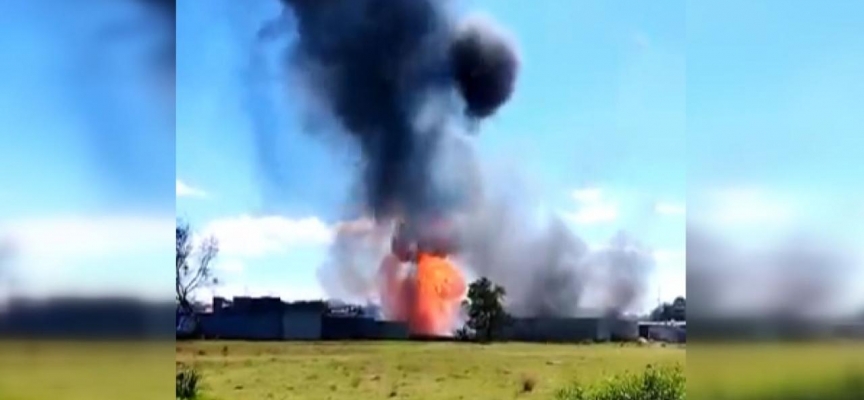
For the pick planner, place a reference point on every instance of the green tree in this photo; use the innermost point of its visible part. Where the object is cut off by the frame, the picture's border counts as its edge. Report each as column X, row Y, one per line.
column 485, row 306
column 676, row 311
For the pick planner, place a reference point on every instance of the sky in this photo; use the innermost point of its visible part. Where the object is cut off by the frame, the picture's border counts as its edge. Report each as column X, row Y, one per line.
column 740, row 117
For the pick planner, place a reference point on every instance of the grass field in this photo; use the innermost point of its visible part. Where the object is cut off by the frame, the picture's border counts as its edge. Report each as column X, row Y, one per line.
column 408, row 370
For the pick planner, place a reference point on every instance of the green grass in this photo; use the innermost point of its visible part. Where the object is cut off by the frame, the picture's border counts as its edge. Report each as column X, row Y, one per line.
column 408, row 370
column 653, row 383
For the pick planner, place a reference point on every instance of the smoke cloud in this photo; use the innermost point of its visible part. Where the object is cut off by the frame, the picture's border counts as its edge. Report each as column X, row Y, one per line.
column 376, row 65
column 406, row 80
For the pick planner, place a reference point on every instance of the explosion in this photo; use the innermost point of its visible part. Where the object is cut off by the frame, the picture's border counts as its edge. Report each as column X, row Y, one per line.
column 428, row 295
column 405, row 83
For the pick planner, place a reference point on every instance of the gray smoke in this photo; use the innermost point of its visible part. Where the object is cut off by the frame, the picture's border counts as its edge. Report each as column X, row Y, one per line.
column 547, row 269
column 406, row 80
column 350, row 271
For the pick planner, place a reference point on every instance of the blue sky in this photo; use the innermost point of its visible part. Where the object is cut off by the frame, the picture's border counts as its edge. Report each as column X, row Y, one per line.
column 597, row 120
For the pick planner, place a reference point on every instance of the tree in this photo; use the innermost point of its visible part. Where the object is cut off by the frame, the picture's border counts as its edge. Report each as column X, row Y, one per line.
column 675, row 311
column 193, row 265
column 485, row 306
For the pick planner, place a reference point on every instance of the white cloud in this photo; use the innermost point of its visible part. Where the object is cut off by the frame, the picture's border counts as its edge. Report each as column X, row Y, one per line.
column 592, row 208
column 247, row 236
column 670, row 209
column 184, row 190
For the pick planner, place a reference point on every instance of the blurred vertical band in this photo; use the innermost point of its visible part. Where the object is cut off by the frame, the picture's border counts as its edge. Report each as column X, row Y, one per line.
column 87, row 199
column 774, row 261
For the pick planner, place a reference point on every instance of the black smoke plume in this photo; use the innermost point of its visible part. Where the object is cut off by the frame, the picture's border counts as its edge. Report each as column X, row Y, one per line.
column 377, row 65
column 407, row 79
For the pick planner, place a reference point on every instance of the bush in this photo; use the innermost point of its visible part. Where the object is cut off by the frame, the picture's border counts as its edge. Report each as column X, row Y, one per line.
column 187, row 384
column 652, row 384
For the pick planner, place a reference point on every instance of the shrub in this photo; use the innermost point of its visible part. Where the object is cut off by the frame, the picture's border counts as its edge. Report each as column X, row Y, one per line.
column 187, row 384
column 652, row 384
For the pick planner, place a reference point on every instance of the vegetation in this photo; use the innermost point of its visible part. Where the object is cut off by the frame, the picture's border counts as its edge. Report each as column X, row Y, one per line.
column 429, row 371
column 187, row 384
column 485, row 306
column 193, row 265
column 408, row 370
column 675, row 311
column 664, row 383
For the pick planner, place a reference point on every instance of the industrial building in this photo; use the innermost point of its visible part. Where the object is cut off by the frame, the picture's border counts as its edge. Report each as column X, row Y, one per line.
column 266, row 318
column 269, row 318
column 557, row 330
column 575, row 329
column 671, row 332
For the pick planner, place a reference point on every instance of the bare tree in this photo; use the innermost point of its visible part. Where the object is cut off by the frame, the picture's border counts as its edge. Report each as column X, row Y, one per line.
column 194, row 265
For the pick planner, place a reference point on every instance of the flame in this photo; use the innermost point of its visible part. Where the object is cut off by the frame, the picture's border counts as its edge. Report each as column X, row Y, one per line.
column 429, row 300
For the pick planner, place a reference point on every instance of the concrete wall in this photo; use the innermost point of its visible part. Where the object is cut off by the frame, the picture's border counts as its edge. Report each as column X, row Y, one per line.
column 557, row 329
column 623, row 329
column 348, row 328
column 301, row 325
column 260, row 326
column 663, row 333
column 392, row 330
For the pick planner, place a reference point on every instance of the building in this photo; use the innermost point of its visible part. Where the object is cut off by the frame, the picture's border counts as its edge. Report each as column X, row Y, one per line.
column 558, row 330
column 265, row 318
column 269, row 318
column 671, row 332
column 362, row 328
